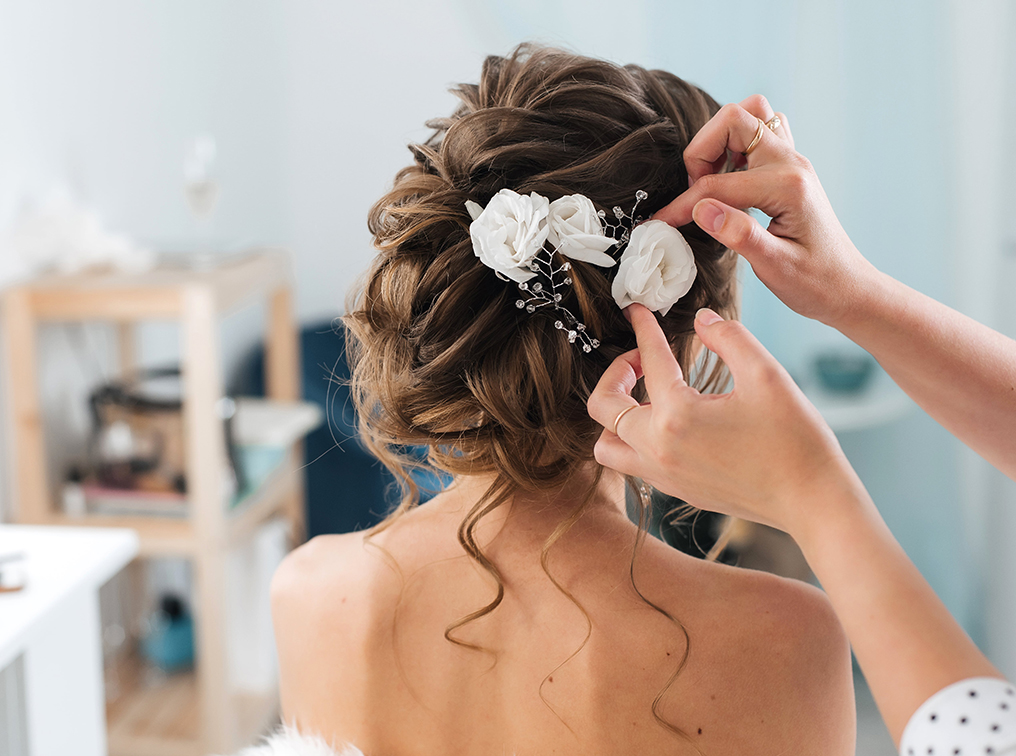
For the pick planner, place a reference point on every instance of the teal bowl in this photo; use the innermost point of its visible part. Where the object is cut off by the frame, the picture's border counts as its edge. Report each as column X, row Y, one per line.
column 844, row 373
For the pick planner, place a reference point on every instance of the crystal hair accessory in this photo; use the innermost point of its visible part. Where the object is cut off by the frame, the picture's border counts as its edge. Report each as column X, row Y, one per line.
column 510, row 236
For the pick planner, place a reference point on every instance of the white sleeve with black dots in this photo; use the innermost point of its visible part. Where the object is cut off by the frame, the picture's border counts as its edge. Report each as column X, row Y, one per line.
column 970, row 718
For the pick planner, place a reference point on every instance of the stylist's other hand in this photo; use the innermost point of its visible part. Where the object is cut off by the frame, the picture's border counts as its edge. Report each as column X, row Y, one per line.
column 761, row 452
column 804, row 256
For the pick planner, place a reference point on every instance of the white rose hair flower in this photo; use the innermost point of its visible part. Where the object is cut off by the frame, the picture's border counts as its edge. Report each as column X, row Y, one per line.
column 509, row 232
column 576, row 231
column 656, row 269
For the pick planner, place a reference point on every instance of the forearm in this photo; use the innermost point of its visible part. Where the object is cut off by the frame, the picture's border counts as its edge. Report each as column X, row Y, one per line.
column 959, row 371
column 906, row 641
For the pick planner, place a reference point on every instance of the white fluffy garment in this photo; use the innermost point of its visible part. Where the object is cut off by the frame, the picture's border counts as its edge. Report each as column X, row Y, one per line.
column 286, row 741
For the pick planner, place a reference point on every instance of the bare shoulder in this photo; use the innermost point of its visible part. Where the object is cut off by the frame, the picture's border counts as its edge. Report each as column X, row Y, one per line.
column 795, row 658
column 789, row 609
column 315, row 560
column 327, row 579
column 785, row 659
column 309, row 589
column 320, row 564
column 319, row 596
column 796, row 620
column 816, row 679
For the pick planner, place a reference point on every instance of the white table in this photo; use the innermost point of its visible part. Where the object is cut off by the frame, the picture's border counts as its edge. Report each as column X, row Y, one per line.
column 53, row 626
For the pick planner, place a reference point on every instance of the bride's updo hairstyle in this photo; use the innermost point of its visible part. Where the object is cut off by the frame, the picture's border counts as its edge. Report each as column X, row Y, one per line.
column 442, row 357
column 440, row 354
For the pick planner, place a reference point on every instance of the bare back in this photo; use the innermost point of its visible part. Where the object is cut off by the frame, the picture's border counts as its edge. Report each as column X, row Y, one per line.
column 364, row 659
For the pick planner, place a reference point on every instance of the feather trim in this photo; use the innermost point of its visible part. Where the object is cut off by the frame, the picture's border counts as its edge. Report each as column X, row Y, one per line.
column 287, row 741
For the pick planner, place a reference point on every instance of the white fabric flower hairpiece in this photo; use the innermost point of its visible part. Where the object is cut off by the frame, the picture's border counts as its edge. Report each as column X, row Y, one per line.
column 656, row 269
column 510, row 234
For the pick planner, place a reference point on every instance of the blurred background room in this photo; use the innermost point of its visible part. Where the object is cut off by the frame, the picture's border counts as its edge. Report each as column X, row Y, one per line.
column 184, row 187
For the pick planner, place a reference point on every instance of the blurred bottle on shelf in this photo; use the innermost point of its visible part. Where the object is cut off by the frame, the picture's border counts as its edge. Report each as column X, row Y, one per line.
column 169, row 643
column 202, row 193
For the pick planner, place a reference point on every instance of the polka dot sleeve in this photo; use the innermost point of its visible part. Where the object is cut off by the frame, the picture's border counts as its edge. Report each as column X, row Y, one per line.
column 975, row 716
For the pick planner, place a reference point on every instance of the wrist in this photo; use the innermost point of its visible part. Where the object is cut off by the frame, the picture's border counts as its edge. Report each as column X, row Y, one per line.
column 863, row 298
column 829, row 509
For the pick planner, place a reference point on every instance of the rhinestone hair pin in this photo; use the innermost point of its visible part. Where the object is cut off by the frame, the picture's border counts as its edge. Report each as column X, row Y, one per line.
column 540, row 296
column 543, row 265
column 624, row 222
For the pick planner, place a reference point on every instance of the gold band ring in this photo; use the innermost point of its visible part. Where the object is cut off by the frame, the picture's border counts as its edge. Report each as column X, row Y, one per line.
column 622, row 413
column 757, row 139
column 774, row 123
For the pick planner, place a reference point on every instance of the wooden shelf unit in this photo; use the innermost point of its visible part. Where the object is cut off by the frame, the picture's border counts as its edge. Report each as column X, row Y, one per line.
column 193, row 713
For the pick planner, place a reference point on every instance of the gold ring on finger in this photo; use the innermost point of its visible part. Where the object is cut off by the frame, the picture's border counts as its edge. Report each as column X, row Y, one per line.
column 757, row 139
column 774, row 123
column 622, row 414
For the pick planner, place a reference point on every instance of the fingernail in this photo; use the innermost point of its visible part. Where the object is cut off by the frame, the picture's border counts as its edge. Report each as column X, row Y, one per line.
column 708, row 216
column 707, row 317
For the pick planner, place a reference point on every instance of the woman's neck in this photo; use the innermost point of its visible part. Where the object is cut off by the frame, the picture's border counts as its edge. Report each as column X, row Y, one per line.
column 539, row 509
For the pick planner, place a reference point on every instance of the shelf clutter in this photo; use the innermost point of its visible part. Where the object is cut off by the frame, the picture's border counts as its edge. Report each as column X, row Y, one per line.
column 202, row 711
column 263, row 432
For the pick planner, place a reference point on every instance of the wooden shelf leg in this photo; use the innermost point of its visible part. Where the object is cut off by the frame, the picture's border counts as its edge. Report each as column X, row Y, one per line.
column 127, row 347
column 282, row 348
column 206, row 461
column 295, row 505
column 282, row 380
column 219, row 723
column 27, row 446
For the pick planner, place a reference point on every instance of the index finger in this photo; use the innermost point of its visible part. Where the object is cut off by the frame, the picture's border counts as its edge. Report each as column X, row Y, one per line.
column 732, row 128
column 756, row 188
column 659, row 365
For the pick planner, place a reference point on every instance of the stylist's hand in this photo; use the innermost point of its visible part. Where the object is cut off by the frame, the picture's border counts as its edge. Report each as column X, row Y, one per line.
column 805, row 257
column 761, row 452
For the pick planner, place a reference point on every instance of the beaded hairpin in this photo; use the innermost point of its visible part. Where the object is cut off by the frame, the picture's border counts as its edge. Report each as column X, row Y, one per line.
column 543, row 266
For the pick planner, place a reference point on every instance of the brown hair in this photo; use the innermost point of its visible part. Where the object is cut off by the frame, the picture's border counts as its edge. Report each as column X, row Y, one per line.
column 440, row 354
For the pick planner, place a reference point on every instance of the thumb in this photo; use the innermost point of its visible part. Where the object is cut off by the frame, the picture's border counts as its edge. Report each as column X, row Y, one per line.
column 734, row 344
column 734, row 229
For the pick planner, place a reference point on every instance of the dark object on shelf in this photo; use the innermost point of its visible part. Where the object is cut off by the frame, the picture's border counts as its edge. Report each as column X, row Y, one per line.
column 169, row 644
column 845, row 373
column 137, row 433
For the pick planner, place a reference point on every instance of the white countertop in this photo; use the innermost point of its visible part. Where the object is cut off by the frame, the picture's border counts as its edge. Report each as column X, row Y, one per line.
column 58, row 562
